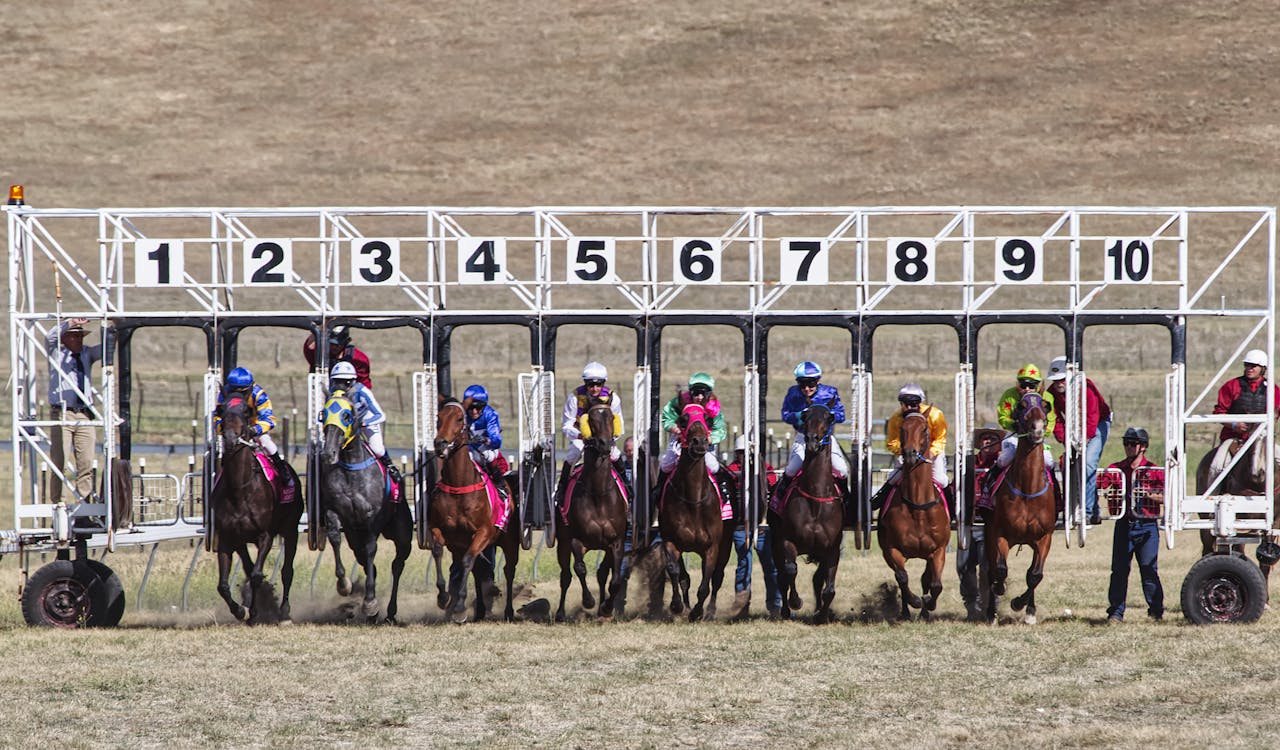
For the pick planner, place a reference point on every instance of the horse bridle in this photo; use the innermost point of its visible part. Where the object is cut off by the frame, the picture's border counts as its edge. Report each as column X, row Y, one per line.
column 831, row 427
column 602, row 443
column 452, row 445
column 917, row 456
column 249, row 418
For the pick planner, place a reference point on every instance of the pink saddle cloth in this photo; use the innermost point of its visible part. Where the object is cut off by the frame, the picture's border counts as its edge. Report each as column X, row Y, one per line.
column 286, row 489
column 574, row 476
column 726, row 508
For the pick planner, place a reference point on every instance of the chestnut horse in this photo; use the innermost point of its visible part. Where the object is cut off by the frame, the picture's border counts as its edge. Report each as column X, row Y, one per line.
column 1024, row 510
column 595, row 516
column 1244, row 478
column 353, row 490
column 812, row 519
column 689, row 518
column 245, row 510
column 915, row 524
column 461, row 515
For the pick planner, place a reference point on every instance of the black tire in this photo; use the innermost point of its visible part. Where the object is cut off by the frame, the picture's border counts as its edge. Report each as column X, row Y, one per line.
column 1223, row 588
column 114, row 611
column 65, row 594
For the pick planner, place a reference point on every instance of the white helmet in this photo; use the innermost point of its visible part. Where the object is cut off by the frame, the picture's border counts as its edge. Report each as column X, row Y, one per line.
column 343, row 371
column 741, row 443
column 1255, row 357
column 594, row 371
column 911, row 389
column 1058, row 369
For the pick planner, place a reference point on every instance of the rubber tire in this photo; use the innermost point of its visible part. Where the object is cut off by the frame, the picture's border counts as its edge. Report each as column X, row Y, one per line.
column 1223, row 588
column 114, row 610
column 64, row 594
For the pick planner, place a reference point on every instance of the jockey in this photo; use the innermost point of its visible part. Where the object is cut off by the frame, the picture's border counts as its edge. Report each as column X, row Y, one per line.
column 344, row 381
column 1246, row 394
column 702, row 393
column 807, row 391
column 911, row 397
column 240, row 383
column 1007, row 413
column 485, row 429
column 340, row 350
column 592, row 391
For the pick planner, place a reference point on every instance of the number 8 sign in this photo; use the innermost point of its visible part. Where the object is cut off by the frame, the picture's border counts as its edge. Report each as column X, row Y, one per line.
column 910, row 260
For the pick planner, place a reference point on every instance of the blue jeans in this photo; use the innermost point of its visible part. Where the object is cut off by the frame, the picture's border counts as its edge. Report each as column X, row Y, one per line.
column 742, row 576
column 1092, row 455
column 968, row 565
column 1141, row 540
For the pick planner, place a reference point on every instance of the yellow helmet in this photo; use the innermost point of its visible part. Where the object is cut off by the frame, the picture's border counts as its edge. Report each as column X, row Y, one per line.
column 1030, row 372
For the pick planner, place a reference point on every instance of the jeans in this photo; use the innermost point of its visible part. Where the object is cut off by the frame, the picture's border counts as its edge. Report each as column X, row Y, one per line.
column 742, row 576
column 1141, row 540
column 968, row 562
column 1092, row 455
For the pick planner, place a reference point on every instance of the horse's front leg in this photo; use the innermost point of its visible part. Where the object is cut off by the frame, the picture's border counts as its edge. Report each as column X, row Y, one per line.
column 580, row 570
column 403, row 540
column 1035, row 574
column 566, row 575
column 437, row 556
column 897, row 562
column 224, row 587
column 333, row 530
column 371, row 606
column 616, row 556
column 256, row 577
column 931, row 580
column 290, row 538
column 721, row 561
column 674, row 563
column 997, row 570
column 784, row 556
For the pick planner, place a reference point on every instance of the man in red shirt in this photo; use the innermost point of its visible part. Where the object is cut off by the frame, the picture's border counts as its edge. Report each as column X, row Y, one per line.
column 1097, row 427
column 741, row 545
column 1246, row 394
column 1137, row 532
column 340, row 350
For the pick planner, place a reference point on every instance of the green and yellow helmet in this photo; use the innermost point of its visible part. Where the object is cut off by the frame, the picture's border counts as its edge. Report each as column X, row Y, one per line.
column 702, row 379
column 1030, row 372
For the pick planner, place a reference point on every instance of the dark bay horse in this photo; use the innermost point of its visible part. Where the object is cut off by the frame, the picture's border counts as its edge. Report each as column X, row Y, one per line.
column 355, row 495
column 245, row 511
column 1024, row 510
column 915, row 524
column 461, row 515
column 812, row 520
column 595, row 516
column 689, row 519
column 1247, row 477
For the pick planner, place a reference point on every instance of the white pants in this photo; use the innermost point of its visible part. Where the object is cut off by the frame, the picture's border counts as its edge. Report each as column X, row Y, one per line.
column 485, row 456
column 268, row 444
column 575, row 452
column 939, row 470
column 373, row 437
column 1009, row 446
column 672, row 457
column 838, row 464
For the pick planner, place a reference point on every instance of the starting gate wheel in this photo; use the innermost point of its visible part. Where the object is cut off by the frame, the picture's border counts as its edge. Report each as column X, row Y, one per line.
column 72, row 594
column 1223, row 588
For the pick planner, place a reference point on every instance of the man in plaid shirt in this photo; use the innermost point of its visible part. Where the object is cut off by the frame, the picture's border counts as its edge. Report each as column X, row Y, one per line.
column 1137, row 533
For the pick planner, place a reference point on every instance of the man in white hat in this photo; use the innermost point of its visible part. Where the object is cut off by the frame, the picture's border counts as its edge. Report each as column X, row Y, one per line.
column 1243, row 395
column 71, row 400
column 1097, row 427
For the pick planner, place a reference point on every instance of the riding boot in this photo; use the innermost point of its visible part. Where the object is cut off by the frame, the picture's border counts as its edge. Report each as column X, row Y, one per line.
column 882, row 494
column 655, row 494
column 392, row 471
column 784, row 482
column 280, row 464
column 949, row 493
column 564, row 483
column 724, row 481
column 620, row 466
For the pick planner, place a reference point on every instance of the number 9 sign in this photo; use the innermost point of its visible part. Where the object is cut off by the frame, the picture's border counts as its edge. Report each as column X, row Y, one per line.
column 1018, row 260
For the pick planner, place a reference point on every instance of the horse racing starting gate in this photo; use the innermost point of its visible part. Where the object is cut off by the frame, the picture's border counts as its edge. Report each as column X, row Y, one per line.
column 1206, row 276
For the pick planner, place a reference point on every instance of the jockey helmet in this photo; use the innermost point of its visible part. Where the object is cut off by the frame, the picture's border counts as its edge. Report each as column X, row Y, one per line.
column 702, row 379
column 807, row 369
column 595, row 371
column 343, row 372
column 478, row 395
column 1136, row 433
column 911, row 393
column 1255, row 357
column 1058, row 369
column 240, row 378
column 1029, row 372
column 741, row 443
column 339, row 337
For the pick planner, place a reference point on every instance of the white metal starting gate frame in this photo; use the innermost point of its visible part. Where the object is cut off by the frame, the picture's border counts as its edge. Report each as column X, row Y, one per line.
column 1201, row 273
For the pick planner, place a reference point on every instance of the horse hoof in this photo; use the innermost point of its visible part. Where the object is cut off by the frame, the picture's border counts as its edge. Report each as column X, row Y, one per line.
column 442, row 601
column 241, row 614
column 695, row 615
column 371, row 608
column 1029, row 619
column 795, row 602
column 344, row 586
column 560, row 617
column 1017, row 604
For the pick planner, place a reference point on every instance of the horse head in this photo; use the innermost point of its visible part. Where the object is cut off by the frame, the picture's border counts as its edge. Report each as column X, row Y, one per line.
column 818, row 424
column 914, row 438
column 451, row 428
column 239, row 416
column 695, row 433
column 339, row 426
column 599, row 433
column 1029, row 417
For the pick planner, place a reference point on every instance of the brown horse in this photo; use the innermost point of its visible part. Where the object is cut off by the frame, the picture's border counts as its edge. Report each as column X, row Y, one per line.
column 595, row 516
column 1024, row 511
column 689, row 519
column 915, row 525
column 811, row 521
column 461, row 516
column 1241, row 479
column 245, row 510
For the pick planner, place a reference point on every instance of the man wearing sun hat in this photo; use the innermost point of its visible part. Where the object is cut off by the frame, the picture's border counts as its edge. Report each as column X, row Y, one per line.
column 1097, row 427
column 71, row 399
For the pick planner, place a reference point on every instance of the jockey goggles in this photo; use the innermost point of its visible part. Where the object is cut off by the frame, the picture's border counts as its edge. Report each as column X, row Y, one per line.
column 807, row 382
column 909, row 400
column 1028, row 383
column 593, row 382
column 699, row 390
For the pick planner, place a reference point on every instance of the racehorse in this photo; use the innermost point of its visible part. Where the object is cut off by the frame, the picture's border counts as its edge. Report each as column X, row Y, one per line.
column 809, row 519
column 593, row 516
column 356, row 496
column 1024, row 510
column 689, row 518
column 915, row 524
column 1247, row 477
column 245, row 509
column 461, row 515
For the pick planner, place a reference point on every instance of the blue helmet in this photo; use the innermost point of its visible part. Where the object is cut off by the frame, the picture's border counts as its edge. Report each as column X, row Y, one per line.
column 240, row 378
column 477, row 394
column 807, row 369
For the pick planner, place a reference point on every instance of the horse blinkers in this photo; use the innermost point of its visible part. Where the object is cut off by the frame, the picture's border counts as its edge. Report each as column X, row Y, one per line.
column 339, row 413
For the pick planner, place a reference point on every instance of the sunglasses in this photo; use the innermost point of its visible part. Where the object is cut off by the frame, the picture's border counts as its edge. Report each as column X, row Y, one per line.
column 699, row 390
column 1028, row 383
column 1129, row 443
column 808, row 382
column 909, row 401
column 593, row 382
